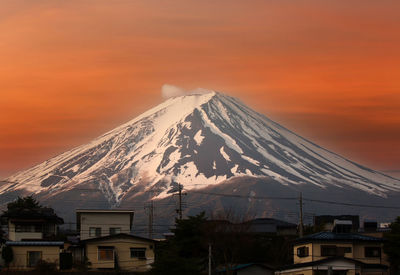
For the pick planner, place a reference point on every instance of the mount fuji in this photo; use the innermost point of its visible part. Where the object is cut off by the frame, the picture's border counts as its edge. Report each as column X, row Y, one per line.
column 203, row 140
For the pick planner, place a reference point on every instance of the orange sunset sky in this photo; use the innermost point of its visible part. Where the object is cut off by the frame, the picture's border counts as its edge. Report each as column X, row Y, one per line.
column 72, row 70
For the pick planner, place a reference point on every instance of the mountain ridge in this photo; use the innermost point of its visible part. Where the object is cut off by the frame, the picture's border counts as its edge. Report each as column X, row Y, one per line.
column 198, row 140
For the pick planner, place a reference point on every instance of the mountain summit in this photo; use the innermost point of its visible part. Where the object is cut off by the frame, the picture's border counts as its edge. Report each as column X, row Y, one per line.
column 199, row 140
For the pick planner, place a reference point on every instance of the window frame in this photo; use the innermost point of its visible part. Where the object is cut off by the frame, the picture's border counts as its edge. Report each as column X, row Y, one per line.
column 136, row 250
column 106, row 249
column 28, row 227
column 28, row 257
column 115, row 228
column 96, row 230
column 325, row 248
column 302, row 251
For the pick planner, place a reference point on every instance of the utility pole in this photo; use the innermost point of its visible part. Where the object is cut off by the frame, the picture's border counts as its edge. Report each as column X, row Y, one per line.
column 151, row 217
column 301, row 215
column 209, row 259
column 180, row 201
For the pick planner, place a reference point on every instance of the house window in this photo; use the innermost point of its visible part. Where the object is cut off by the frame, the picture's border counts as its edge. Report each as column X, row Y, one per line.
column 340, row 251
column 328, row 250
column 372, row 252
column 23, row 228
column 33, row 257
column 28, row 228
column 138, row 252
column 105, row 253
column 302, row 251
column 95, row 232
column 115, row 230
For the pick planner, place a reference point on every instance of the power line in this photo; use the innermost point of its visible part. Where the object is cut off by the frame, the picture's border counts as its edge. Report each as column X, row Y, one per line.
column 352, row 204
column 232, row 196
column 292, row 198
column 242, row 196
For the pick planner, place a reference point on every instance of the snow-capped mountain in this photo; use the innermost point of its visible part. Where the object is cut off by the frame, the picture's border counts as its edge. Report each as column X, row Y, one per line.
column 199, row 140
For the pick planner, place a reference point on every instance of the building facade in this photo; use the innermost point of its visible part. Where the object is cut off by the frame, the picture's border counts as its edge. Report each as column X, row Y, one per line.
column 95, row 223
column 337, row 254
column 32, row 237
column 108, row 243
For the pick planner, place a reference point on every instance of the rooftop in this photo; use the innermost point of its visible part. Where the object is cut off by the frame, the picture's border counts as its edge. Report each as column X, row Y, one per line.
column 104, row 211
column 34, row 243
column 42, row 214
column 332, row 236
column 276, row 222
column 118, row 236
column 79, row 212
column 324, row 262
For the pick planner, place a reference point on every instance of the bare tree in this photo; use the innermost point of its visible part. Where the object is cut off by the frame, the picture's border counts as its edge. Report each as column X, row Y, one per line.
column 228, row 235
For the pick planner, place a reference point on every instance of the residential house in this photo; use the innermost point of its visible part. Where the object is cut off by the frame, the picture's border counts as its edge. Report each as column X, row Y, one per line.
column 328, row 222
column 274, row 226
column 257, row 226
column 107, row 241
column 32, row 237
column 372, row 228
column 36, row 224
column 95, row 223
column 248, row 269
column 120, row 251
column 337, row 254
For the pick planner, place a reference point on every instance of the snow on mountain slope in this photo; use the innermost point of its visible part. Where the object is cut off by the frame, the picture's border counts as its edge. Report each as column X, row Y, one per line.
column 197, row 140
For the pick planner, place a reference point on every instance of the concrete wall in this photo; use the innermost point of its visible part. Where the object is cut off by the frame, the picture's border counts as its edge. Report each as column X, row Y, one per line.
column 317, row 250
column 357, row 252
column 105, row 221
column 17, row 236
column 122, row 251
column 307, row 259
column 20, row 261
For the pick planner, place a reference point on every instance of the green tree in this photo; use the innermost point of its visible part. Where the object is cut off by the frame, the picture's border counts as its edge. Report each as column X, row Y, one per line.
column 189, row 236
column 392, row 246
column 234, row 241
column 22, row 203
column 7, row 255
column 29, row 208
column 185, row 252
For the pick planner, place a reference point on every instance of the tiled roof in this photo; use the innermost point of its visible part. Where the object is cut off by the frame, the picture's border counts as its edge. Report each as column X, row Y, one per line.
column 117, row 236
column 242, row 266
column 34, row 243
column 327, row 260
column 332, row 236
column 279, row 223
column 32, row 214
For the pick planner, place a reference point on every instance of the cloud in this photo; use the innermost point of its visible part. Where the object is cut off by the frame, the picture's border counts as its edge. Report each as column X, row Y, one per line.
column 168, row 91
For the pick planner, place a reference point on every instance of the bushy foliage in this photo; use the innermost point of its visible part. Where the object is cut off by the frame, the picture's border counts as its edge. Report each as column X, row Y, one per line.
column 7, row 254
column 22, row 203
column 231, row 243
column 392, row 246
column 185, row 252
column 45, row 267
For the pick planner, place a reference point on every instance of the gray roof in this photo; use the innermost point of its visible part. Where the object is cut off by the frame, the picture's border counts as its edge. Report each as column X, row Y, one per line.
column 117, row 236
column 327, row 260
column 34, row 243
column 332, row 236
column 276, row 222
column 268, row 225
